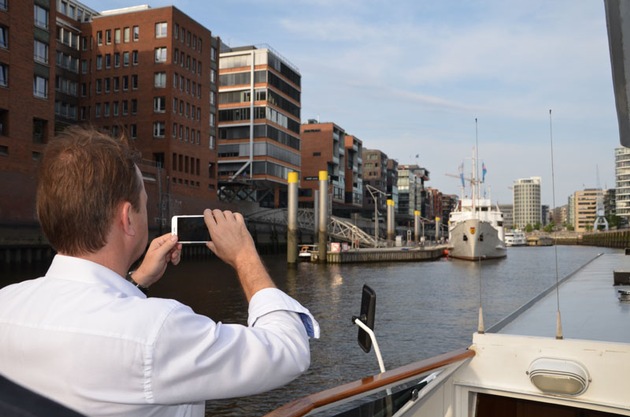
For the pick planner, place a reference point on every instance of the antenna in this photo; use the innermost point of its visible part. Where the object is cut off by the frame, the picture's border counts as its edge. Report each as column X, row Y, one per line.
column 553, row 192
column 480, row 325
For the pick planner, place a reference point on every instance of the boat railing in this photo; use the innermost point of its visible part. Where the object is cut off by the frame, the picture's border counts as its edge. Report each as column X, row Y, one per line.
column 369, row 385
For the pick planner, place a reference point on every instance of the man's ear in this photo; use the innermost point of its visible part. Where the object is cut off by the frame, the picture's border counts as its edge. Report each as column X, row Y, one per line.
column 126, row 219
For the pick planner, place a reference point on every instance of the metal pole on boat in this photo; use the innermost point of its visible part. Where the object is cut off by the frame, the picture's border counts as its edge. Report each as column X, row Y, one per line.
column 416, row 225
column 323, row 216
column 315, row 215
column 391, row 230
column 292, row 243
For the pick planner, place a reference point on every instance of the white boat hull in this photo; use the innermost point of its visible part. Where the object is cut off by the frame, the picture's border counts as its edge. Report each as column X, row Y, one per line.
column 474, row 240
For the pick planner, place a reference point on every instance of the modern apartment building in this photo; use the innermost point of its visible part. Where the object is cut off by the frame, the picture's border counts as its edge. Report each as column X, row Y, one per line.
column 259, row 125
column 323, row 149
column 622, row 182
column 411, row 190
column 374, row 181
column 152, row 73
column 585, row 205
column 353, row 172
column 526, row 198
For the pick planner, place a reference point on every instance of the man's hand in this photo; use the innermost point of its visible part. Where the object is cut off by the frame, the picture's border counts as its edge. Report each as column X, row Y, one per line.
column 162, row 250
column 232, row 242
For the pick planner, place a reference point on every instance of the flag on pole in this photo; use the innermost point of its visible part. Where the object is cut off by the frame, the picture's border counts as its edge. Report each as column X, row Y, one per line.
column 461, row 174
column 483, row 172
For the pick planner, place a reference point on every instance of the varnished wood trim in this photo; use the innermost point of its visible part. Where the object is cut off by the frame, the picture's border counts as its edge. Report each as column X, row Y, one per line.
column 303, row 406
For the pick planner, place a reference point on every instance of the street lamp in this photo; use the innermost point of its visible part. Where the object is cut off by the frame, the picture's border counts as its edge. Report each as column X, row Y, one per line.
column 372, row 191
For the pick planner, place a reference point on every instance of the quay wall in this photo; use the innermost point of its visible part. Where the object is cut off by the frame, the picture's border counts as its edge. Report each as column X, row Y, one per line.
column 386, row 255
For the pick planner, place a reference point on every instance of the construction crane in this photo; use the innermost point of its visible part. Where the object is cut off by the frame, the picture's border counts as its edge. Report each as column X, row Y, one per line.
column 600, row 213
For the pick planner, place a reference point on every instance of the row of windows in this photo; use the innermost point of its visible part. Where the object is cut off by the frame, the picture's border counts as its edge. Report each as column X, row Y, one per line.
column 190, row 39
column 66, row 110
column 186, row 164
column 260, row 131
column 125, row 35
column 114, row 83
column 115, row 108
column 186, row 134
column 124, row 59
column 186, row 61
column 68, row 37
column 72, row 11
column 258, row 168
column 260, row 149
column 243, row 114
column 66, row 86
column 184, row 109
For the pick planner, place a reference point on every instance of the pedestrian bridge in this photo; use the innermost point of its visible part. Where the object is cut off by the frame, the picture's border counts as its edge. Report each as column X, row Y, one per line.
column 338, row 228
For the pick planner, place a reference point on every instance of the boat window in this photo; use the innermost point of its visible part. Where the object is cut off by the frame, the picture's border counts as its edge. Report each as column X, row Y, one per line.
column 497, row 406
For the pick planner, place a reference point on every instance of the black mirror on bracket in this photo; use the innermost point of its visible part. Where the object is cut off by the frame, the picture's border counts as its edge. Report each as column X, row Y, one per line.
column 368, row 309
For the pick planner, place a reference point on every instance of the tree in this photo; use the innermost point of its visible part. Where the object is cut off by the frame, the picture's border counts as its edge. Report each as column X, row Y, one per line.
column 529, row 228
column 549, row 227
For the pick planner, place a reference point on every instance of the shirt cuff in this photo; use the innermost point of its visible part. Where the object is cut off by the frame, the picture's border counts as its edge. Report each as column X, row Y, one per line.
column 272, row 299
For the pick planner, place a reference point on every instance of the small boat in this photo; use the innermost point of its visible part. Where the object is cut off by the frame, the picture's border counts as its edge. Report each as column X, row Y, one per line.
column 306, row 251
column 515, row 238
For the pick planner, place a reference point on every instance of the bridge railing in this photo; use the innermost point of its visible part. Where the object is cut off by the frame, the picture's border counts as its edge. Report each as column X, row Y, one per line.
column 337, row 228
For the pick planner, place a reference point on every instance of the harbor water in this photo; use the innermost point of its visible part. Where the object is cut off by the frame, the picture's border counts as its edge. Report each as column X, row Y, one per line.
column 423, row 308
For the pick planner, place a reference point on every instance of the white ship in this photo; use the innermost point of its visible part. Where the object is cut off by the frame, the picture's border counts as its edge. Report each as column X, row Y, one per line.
column 475, row 230
column 515, row 238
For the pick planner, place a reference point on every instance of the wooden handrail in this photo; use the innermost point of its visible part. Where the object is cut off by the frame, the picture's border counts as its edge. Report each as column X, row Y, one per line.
column 304, row 405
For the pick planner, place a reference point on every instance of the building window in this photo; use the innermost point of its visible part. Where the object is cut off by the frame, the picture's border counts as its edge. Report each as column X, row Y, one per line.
column 160, row 54
column 161, row 29
column 159, row 129
column 126, row 58
column 116, row 59
column 40, row 130
column 41, row 17
column 3, row 4
column 108, row 36
column 134, row 106
column 211, row 142
column 125, row 107
column 99, row 62
column 40, row 87
column 125, row 82
column 134, row 82
column 108, row 60
column 136, row 33
column 99, row 38
column 126, row 34
column 4, row 75
column 159, row 104
column 41, row 52
column 160, row 80
column 133, row 131
column 4, row 37
column 134, row 57
column 116, row 35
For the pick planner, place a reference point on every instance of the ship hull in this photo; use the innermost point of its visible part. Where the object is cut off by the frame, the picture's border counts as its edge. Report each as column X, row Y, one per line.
column 474, row 240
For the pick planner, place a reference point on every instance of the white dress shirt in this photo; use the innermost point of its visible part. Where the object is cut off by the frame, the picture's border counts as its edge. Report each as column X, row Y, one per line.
column 85, row 337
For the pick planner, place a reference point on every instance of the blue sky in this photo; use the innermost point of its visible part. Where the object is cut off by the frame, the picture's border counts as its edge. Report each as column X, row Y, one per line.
column 409, row 77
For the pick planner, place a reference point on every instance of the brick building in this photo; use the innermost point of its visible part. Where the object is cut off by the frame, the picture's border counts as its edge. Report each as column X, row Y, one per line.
column 151, row 73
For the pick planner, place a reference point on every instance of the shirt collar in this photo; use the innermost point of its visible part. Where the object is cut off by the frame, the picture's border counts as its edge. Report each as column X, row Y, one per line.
column 70, row 268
